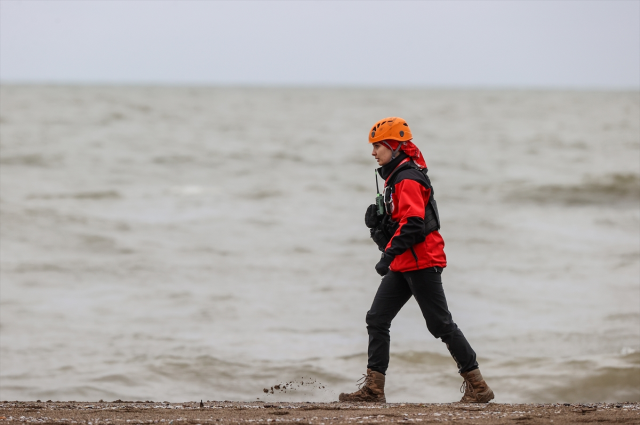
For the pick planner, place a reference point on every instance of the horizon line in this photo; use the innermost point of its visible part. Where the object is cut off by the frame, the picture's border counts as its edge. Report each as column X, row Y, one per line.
column 435, row 87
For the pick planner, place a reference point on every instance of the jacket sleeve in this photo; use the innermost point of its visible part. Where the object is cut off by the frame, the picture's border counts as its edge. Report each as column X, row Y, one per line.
column 409, row 213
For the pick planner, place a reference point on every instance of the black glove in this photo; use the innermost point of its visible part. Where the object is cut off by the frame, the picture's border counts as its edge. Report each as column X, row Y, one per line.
column 383, row 265
column 371, row 218
column 379, row 238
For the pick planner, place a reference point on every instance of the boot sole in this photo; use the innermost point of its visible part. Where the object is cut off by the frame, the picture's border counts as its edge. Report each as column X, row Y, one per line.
column 484, row 398
column 346, row 400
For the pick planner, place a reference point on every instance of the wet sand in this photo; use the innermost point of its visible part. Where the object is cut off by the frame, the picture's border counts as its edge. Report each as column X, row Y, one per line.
column 315, row 413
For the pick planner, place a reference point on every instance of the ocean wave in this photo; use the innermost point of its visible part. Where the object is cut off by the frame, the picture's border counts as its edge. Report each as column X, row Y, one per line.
column 422, row 358
column 174, row 159
column 607, row 190
column 287, row 156
column 609, row 384
column 31, row 160
column 259, row 195
column 96, row 195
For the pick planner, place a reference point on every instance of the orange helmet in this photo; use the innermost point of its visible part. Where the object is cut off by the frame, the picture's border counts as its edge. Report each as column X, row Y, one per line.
column 392, row 128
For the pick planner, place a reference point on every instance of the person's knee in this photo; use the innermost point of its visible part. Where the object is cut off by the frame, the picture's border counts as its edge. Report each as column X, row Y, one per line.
column 377, row 322
column 443, row 330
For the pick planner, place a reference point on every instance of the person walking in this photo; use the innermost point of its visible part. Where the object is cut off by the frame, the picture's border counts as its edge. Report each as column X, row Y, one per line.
column 404, row 223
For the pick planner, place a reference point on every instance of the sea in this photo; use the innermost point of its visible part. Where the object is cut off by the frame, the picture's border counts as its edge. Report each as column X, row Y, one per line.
column 176, row 243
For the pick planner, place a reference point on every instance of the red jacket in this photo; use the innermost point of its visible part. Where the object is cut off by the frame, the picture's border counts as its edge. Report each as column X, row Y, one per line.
column 410, row 191
column 411, row 253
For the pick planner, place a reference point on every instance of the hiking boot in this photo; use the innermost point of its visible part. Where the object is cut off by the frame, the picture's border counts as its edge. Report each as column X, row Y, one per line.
column 475, row 388
column 372, row 389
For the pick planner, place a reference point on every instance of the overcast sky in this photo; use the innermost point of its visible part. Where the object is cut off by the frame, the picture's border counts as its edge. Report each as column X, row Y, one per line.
column 576, row 44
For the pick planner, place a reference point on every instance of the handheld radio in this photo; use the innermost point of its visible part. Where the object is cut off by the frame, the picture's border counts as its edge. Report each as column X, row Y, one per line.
column 379, row 198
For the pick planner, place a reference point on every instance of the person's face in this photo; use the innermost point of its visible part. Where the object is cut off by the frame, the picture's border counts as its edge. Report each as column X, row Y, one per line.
column 381, row 153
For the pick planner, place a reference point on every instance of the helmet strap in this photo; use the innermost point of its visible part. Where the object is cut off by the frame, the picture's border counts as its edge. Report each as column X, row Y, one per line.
column 393, row 152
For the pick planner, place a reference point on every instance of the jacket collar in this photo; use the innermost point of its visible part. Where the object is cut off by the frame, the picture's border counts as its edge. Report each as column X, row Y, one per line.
column 386, row 170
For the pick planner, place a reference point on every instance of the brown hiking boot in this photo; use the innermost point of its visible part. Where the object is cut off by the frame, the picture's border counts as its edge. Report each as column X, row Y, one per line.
column 372, row 389
column 475, row 388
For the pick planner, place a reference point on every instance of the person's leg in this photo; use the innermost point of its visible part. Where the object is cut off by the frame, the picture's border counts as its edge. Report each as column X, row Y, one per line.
column 392, row 294
column 426, row 286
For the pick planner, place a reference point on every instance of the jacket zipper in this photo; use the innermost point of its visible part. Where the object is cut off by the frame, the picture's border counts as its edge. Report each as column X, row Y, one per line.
column 414, row 256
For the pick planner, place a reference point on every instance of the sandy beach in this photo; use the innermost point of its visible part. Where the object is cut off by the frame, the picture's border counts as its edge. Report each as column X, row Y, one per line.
column 315, row 413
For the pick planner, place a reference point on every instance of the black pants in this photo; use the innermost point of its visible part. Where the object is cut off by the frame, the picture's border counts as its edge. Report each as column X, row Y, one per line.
column 426, row 286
